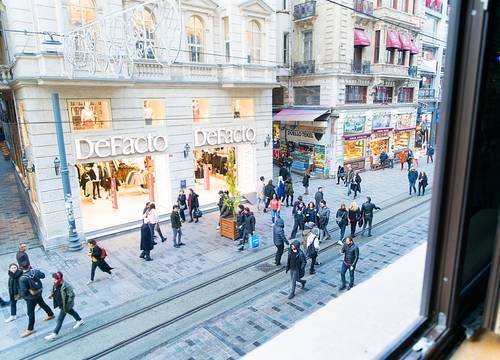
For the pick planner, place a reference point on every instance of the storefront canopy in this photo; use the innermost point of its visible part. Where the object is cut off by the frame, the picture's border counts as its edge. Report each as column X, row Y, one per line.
column 300, row 114
column 361, row 38
column 392, row 41
column 414, row 49
column 405, row 41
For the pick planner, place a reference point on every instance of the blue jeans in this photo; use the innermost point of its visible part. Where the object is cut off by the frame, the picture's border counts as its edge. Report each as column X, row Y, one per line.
column 342, row 231
column 343, row 269
column 177, row 234
column 412, row 186
column 260, row 201
column 275, row 214
column 349, row 189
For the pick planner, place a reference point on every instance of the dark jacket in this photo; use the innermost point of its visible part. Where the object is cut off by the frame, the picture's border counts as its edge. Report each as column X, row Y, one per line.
column 220, row 204
column 283, row 173
column 423, row 180
column 14, row 285
column 354, row 216
column 341, row 217
column 146, row 238
column 279, row 237
column 182, row 200
column 249, row 223
column 193, row 201
column 21, row 257
column 240, row 219
column 299, row 212
column 317, row 198
column 351, row 254
column 367, row 210
column 383, row 156
column 288, row 187
column 175, row 220
column 269, row 191
column 324, row 217
column 300, row 264
column 311, row 215
column 67, row 297
column 305, row 180
column 430, row 150
column 24, row 285
column 340, row 171
column 412, row 176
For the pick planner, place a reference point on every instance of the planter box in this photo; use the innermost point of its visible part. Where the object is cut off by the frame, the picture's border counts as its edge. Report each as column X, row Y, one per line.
column 228, row 228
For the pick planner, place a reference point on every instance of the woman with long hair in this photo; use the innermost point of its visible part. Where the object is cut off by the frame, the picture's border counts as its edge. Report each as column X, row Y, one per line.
column 354, row 215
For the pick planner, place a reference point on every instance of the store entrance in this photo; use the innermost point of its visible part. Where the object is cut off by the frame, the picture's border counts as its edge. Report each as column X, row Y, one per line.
column 114, row 192
column 377, row 146
column 210, row 171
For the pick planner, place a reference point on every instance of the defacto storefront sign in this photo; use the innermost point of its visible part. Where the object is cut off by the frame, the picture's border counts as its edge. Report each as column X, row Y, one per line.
column 119, row 145
column 223, row 136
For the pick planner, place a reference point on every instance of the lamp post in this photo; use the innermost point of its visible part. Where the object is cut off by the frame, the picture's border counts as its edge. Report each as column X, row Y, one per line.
column 74, row 239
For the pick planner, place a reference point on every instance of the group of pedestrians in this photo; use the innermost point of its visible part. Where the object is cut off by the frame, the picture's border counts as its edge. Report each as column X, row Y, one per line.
column 350, row 178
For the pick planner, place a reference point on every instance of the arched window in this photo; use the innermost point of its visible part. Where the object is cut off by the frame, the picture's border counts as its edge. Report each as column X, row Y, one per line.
column 144, row 28
column 254, row 42
column 195, row 39
column 81, row 12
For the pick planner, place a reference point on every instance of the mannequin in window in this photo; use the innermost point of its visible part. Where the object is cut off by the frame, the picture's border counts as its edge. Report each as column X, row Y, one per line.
column 96, row 175
column 148, row 113
column 196, row 110
column 88, row 118
column 236, row 110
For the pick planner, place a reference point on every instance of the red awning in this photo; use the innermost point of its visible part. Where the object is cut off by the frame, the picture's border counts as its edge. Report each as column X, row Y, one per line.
column 361, row 38
column 414, row 49
column 299, row 114
column 392, row 41
column 405, row 41
column 438, row 4
column 428, row 3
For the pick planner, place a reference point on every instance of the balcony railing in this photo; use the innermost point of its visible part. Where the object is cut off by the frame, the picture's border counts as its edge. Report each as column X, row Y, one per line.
column 360, row 67
column 364, row 6
column 304, row 10
column 426, row 93
column 412, row 71
column 390, row 70
column 301, row 68
column 5, row 74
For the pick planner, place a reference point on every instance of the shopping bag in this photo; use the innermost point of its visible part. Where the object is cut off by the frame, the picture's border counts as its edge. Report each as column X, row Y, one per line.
column 254, row 242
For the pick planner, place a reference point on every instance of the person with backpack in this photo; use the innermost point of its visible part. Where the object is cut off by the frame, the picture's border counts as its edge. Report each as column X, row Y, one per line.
column 298, row 213
column 430, row 153
column 64, row 298
column 97, row 257
column 296, row 264
column 354, row 216
column 312, row 246
column 305, row 182
column 14, row 293
column 30, row 289
column 279, row 240
column 351, row 256
column 289, row 192
column 342, row 221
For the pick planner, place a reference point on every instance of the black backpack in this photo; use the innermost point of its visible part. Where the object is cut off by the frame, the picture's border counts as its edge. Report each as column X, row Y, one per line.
column 34, row 283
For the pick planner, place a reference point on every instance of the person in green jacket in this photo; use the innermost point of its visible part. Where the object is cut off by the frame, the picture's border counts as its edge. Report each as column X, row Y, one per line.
column 64, row 298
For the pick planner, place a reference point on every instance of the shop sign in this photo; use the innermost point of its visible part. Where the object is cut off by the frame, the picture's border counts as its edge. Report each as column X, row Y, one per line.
column 304, row 135
column 223, row 136
column 354, row 125
column 381, row 122
column 119, row 146
column 404, row 121
column 357, row 136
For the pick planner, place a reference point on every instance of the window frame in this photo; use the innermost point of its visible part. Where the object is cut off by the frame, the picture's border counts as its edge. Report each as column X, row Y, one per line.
column 376, row 51
column 286, row 48
column 195, row 48
column 361, row 93
column 307, row 46
column 316, row 96
column 255, row 41
column 90, row 100
column 72, row 4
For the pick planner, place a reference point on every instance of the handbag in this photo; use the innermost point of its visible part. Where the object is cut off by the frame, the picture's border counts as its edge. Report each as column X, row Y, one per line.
column 197, row 213
column 254, row 241
column 360, row 222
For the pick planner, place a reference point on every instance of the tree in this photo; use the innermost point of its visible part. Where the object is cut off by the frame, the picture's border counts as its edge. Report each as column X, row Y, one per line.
column 233, row 198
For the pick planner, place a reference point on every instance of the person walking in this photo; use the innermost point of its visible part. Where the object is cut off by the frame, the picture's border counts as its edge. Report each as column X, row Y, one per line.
column 305, row 182
column 275, row 206
column 298, row 213
column 279, row 240
column 64, row 298
column 283, row 171
column 311, row 213
column 296, row 264
column 422, row 182
column 416, row 158
column 409, row 158
column 288, row 163
column 176, row 223
column 318, row 197
column 3, row 303
column 146, row 240
column 193, row 205
column 351, row 256
column 357, row 181
column 312, row 246
column 340, row 174
column 402, row 159
column 260, row 196
column 412, row 179
column 154, row 223
column 289, row 191
column 30, row 289
column 14, row 293
column 182, row 202
column 354, row 215
column 323, row 219
column 269, row 192
column 248, row 227
column 367, row 215
column 220, row 204
column 349, row 176
column 240, row 222
column 22, row 255
column 390, row 157
column 383, row 159
column 342, row 220
column 97, row 257
column 280, row 189
column 430, row 153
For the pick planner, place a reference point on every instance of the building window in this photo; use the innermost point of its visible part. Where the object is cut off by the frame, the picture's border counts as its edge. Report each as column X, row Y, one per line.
column 227, row 46
column 307, row 37
column 426, row 82
column 81, row 12
column 401, row 57
column 354, row 149
column 145, row 29
column 389, row 56
column 254, row 40
column 358, row 59
column 199, row 109
column 195, row 39
column 285, row 4
column 377, row 47
column 307, row 95
column 383, row 94
column 405, row 5
column 278, row 96
column 286, row 37
column 405, row 95
column 355, row 94
column 89, row 114
column 395, row 4
column 154, row 112
column 428, row 53
column 244, row 109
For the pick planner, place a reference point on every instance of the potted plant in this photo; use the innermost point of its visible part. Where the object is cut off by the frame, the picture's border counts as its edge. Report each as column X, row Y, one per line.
column 232, row 199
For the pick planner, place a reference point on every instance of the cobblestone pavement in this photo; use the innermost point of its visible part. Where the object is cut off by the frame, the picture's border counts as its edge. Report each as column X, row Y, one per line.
column 15, row 223
column 204, row 250
column 238, row 331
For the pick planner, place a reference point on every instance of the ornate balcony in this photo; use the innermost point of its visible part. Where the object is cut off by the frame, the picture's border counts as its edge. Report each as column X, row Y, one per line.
column 390, row 70
column 426, row 93
column 413, row 71
column 304, row 10
column 361, row 67
column 5, row 74
column 302, row 68
column 384, row 10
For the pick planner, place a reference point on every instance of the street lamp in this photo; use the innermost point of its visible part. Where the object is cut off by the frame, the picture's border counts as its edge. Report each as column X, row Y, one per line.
column 27, row 166
column 57, row 165
column 186, row 150
column 267, row 140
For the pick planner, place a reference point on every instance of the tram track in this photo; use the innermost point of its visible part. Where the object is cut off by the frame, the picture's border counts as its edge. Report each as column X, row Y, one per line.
column 183, row 296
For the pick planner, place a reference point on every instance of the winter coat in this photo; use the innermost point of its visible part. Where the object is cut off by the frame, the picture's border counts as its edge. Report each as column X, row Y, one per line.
column 260, row 190
column 350, row 175
column 283, row 173
column 146, row 238
column 305, row 180
column 317, row 198
column 324, row 217
column 193, row 201
column 95, row 253
column 269, row 191
column 13, row 285
column 412, row 176
column 351, row 254
column 22, row 257
column 288, row 188
column 24, row 285
column 279, row 237
column 342, row 217
column 430, row 151
column 280, row 189
column 240, row 219
column 311, row 215
column 67, row 295
column 275, row 204
column 423, row 180
column 220, row 203
column 402, row 157
column 249, row 223
column 299, row 212
column 182, row 201
column 341, row 171
column 354, row 216
column 313, row 238
column 175, row 220
column 301, row 261
column 367, row 210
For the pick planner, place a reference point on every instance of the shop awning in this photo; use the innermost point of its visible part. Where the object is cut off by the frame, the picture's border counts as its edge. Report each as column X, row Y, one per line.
column 405, row 129
column 361, row 38
column 392, row 41
column 414, row 49
column 405, row 41
column 300, row 114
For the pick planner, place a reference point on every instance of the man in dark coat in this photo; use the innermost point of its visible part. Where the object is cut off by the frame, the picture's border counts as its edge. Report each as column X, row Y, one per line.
column 323, row 219
column 193, row 204
column 175, row 221
column 146, row 242
column 351, row 256
column 279, row 239
column 367, row 214
column 283, row 173
column 22, row 255
column 412, row 179
column 296, row 264
column 318, row 197
column 268, row 193
column 248, row 226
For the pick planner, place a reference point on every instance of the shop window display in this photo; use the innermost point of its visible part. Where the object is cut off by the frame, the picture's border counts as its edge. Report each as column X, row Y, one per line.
column 401, row 140
column 154, row 112
column 243, row 109
column 377, row 145
column 199, row 109
column 308, row 157
column 353, row 150
column 89, row 114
